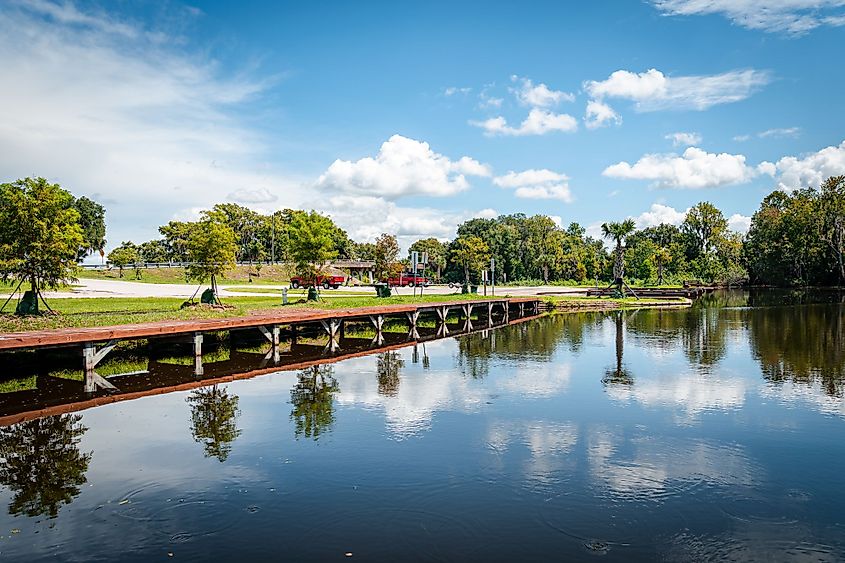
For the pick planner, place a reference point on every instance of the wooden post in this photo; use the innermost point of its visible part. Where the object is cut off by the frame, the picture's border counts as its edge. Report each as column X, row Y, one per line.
column 90, row 358
column 331, row 327
column 377, row 321
column 198, row 369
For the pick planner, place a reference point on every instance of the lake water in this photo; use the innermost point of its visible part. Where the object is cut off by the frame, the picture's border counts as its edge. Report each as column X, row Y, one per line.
column 713, row 433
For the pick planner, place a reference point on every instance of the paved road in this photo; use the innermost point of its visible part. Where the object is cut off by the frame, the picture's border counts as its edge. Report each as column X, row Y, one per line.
column 114, row 288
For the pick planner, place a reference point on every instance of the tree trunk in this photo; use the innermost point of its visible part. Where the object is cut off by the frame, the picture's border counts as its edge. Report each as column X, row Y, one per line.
column 619, row 262
column 619, row 343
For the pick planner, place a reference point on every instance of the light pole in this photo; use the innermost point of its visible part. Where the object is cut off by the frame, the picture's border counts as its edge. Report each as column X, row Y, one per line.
column 273, row 241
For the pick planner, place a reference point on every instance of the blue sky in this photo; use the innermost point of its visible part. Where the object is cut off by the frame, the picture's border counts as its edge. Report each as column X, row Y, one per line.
column 409, row 118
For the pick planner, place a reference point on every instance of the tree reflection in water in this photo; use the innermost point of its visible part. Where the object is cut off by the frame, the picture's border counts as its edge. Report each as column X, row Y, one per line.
column 388, row 368
column 802, row 344
column 214, row 416
column 313, row 401
column 618, row 375
column 701, row 331
column 539, row 338
column 41, row 464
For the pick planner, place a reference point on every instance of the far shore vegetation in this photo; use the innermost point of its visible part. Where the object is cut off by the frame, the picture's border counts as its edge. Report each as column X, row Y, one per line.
column 795, row 238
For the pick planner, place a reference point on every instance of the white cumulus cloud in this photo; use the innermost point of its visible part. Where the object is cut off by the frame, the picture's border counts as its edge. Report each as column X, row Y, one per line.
column 402, row 167
column 659, row 214
column 694, row 169
column 539, row 95
column 112, row 110
column 652, row 90
column 809, row 170
column 258, row 195
column 538, row 122
column 682, row 139
column 452, row 90
column 780, row 132
column 599, row 114
column 793, row 17
column 367, row 217
column 536, row 184
column 739, row 223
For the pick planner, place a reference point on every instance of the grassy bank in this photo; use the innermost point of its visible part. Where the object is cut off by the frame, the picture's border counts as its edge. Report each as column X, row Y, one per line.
column 582, row 303
column 107, row 311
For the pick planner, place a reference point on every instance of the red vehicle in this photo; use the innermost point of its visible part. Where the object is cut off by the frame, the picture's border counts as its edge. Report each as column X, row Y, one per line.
column 327, row 282
column 409, row 280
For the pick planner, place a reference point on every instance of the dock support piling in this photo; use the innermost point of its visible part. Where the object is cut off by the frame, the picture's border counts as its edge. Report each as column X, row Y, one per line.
column 377, row 321
column 91, row 357
column 198, row 369
column 332, row 326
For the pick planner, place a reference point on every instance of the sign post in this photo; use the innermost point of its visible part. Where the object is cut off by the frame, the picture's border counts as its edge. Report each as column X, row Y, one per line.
column 493, row 276
column 424, row 263
column 415, row 258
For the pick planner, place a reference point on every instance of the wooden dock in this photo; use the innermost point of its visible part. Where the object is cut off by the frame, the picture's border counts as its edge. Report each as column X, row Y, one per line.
column 97, row 342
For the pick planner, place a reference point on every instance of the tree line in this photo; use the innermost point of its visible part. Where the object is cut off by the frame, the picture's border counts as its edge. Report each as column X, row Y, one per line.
column 795, row 238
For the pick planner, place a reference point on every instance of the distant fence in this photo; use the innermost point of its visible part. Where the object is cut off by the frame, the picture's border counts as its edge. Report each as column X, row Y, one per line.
column 353, row 264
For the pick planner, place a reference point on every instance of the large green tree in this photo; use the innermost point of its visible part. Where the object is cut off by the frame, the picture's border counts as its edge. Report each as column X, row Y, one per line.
column 471, row 254
column 386, row 257
column 153, row 251
column 713, row 252
column 832, row 221
column 211, row 249
column 436, row 251
column 124, row 255
column 312, row 242
column 40, row 234
column 246, row 226
column 92, row 219
column 175, row 235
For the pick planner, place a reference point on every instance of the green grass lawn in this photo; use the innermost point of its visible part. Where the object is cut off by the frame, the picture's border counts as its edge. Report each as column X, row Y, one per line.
column 105, row 311
column 625, row 302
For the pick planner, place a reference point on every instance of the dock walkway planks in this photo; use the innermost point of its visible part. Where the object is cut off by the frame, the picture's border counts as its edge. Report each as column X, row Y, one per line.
column 71, row 336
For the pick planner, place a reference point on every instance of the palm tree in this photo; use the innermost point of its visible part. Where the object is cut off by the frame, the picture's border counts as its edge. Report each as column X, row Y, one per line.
column 618, row 232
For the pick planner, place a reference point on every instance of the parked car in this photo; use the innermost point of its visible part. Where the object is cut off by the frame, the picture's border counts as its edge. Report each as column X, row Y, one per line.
column 327, row 282
column 409, row 280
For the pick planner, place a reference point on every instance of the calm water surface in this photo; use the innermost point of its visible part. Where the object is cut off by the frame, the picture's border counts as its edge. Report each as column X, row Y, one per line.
column 716, row 433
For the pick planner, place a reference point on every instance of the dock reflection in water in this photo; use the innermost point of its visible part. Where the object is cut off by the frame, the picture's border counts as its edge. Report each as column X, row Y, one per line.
column 704, row 434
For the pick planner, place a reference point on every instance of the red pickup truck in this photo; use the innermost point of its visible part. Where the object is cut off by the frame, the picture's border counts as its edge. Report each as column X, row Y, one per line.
column 327, row 282
column 408, row 280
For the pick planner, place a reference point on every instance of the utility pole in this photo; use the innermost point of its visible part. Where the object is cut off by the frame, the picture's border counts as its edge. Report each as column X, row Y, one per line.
column 273, row 241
